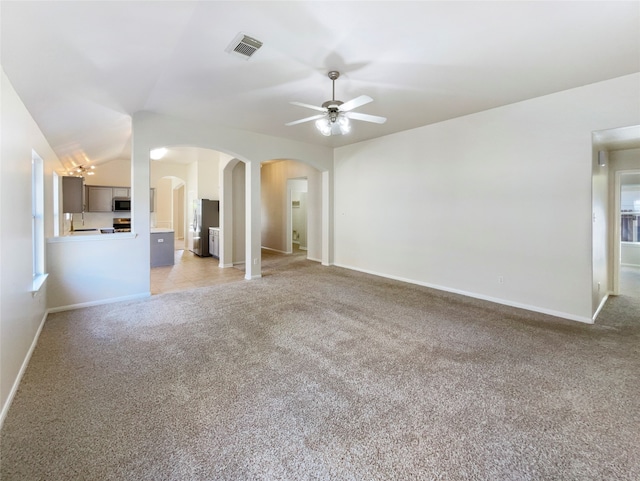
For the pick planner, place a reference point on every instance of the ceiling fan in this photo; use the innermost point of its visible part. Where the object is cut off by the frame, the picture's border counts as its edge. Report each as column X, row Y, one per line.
column 334, row 119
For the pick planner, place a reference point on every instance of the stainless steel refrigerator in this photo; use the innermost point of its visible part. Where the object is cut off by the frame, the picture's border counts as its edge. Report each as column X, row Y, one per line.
column 206, row 213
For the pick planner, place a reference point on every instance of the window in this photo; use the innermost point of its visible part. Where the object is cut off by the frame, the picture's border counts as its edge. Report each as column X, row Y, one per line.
column 37, row 220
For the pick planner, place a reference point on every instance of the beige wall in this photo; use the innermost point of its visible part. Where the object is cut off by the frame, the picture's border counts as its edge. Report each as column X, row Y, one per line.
column 21, row 311
column 275, row 208
column 501, row 195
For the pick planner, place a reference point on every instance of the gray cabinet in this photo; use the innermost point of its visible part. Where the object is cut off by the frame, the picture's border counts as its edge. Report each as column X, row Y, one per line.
column 214, row 242
column 99, row 199
column 121, row 192
column 162, row 249
column 72, row 195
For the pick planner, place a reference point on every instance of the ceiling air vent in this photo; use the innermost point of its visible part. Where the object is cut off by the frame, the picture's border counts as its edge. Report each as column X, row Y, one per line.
column 243, row 46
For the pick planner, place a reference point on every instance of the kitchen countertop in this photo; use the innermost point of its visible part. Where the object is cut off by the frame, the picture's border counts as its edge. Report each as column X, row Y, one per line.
column 156, row 230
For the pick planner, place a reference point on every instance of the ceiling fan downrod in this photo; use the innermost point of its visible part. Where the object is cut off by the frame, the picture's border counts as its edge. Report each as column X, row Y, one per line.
column 333, row 104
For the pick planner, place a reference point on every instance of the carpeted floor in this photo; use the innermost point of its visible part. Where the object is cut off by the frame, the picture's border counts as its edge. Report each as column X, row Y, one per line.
column 320, row 373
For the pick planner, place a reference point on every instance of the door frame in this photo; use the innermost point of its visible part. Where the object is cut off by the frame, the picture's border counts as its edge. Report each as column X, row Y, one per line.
column 617, row 228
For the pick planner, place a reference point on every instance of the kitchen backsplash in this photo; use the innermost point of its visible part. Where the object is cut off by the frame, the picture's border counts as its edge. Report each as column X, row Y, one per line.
column 96, row 220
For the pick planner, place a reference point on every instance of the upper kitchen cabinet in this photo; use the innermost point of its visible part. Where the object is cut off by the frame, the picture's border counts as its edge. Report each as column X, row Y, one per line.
column 99, row 199
column 121, row 192
column 72, row 195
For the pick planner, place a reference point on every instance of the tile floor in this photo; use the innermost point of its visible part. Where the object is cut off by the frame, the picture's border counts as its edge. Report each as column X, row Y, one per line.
column 191, row 271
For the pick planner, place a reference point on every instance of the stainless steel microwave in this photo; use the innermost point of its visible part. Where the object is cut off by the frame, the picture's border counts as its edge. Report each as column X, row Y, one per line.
column 121, row 204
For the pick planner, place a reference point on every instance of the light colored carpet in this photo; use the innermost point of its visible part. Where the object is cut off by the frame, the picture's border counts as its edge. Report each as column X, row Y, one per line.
column 320, row 373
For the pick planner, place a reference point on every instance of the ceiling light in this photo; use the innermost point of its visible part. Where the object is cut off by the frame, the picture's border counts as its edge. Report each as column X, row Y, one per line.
column 333, row 123
column 157, row 154
column 324, row 126
column 344, row 124
column 81, row 170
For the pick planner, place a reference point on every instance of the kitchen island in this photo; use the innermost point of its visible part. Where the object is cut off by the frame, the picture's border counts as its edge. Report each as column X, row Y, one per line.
column 162, row 247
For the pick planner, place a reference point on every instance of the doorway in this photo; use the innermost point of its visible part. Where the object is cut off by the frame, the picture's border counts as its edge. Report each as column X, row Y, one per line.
column 297, row 224
column 627, row 233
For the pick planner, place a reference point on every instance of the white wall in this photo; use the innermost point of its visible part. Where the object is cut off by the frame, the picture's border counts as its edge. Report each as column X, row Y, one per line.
column 208, row 174
column 21, row 313
column 502, row 194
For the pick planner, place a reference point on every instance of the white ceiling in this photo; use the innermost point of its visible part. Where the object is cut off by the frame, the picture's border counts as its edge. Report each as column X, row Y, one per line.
column 83, row 68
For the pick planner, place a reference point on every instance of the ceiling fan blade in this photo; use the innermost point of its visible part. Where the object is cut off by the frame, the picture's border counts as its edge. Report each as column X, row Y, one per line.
column 366, row 117
column 309, row 106
column 354, row 103
column 308, row 119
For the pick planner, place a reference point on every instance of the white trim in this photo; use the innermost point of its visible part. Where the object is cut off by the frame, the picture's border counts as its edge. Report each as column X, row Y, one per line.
column 38, row 282
column 100, row 302
column 495, row 300
column 275, row 250
column 602, row 303
column 23, row 368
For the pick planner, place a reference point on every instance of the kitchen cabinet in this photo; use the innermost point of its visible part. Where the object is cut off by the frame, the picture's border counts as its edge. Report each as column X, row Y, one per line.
column 72, row 195
column 162, row 248
column 121, row 192
column 214, row 242
column 99, row 198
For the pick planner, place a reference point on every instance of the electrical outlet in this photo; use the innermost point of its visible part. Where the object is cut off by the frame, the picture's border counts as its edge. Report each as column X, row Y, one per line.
column 500, row 280
column 255, row 261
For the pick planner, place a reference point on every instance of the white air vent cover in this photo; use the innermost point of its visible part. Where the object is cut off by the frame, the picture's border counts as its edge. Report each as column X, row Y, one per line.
column 243, row 46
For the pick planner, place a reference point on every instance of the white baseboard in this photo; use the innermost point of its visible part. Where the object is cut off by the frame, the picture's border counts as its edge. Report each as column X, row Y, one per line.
column 602, row 303
column 23, row 368
column 275, row 250
column 518, row 305
column 100, row 302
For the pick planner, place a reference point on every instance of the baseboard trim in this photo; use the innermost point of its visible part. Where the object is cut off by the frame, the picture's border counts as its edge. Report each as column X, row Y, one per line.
column 111, row 300
column 23, row 368
column 602, row 303
column 275, row 250
column 504, row 302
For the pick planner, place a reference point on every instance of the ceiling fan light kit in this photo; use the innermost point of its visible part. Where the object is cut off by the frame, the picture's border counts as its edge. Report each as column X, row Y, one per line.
column 335, row 116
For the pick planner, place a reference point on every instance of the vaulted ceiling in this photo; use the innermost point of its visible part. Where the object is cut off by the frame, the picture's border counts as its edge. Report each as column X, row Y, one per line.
column 83, row 68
